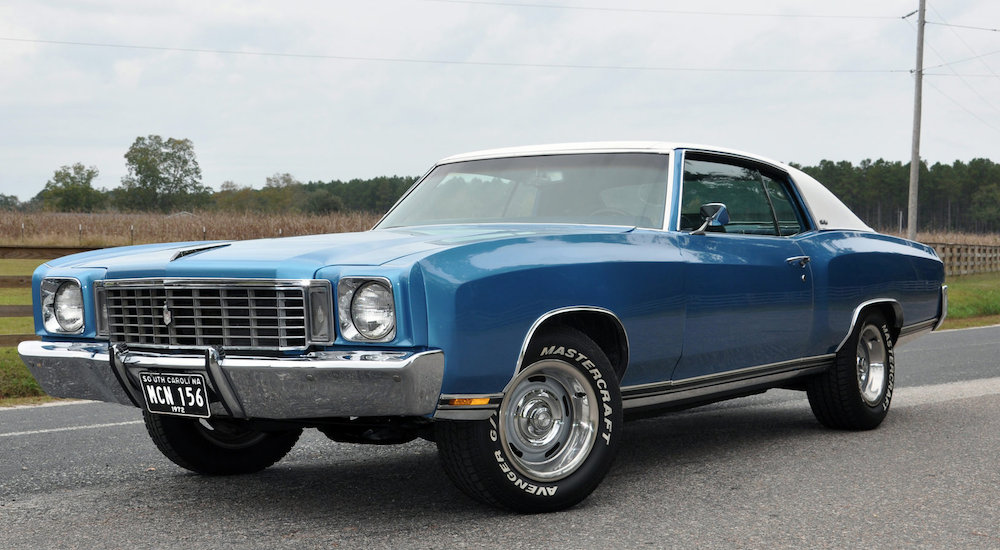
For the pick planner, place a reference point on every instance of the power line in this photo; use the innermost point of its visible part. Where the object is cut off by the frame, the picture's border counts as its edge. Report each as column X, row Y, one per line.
column 671, row 12
column 966, row 44
column 963, row 61
column 974, row 115
column 965, row 75
column 962, row 26
column 980, row 96
column 451, row 62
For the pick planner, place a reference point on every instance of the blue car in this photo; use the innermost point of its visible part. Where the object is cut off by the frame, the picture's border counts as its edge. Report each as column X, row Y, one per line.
column 515, row 306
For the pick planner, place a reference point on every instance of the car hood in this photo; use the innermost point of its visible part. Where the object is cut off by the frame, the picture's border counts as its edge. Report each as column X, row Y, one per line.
column 297, row 257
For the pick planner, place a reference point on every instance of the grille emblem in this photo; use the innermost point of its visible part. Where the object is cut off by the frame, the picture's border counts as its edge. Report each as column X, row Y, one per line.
column 167, row 316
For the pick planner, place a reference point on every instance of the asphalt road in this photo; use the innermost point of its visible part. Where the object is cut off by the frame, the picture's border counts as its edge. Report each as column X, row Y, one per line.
column 756, row 472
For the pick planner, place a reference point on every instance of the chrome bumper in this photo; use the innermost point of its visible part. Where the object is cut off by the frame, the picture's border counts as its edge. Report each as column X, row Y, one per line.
column 315, row 385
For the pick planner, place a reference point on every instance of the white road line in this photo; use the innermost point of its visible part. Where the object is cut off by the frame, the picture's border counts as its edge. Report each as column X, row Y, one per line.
column 34, row 432
column 49, row 404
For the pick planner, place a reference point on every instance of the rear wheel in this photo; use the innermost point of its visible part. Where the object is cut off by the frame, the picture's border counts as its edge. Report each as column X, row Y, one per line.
column 554, row 436
column 218, row 446
column 856, row 392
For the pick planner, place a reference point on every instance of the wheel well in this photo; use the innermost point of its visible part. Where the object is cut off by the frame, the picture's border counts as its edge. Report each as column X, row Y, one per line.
column 893, row 314
column 603, row 328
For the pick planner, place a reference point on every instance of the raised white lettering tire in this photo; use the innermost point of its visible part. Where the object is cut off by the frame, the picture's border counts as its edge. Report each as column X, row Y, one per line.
column 856, row 392
column 554, row 436
column 218, row 446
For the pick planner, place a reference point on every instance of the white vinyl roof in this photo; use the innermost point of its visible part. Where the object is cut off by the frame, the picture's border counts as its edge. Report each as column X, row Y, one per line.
column 826, row 209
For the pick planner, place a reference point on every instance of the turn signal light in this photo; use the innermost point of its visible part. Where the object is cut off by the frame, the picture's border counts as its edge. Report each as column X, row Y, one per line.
column 468, row 402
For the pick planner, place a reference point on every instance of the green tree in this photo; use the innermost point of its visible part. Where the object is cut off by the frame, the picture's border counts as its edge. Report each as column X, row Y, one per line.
column 71, row 190
column 280, row 193
column 9, row 202
column 162, row 175
column 986, row 206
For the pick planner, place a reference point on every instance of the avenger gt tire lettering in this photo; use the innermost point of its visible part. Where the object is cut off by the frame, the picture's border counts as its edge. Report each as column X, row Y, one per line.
column 554, row 437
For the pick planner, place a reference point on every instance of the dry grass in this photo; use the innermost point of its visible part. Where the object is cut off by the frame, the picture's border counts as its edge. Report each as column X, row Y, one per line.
column 109, row 229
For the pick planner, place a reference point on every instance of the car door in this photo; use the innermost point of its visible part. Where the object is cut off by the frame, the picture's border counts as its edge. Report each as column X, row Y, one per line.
column 748, row 284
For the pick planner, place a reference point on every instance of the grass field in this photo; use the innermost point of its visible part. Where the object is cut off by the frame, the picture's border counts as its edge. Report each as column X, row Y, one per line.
column 100, row 230
column 16, row 384
column 973, row 300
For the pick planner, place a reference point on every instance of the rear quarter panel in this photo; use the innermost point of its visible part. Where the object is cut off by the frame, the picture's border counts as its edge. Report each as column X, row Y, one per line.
column 852, row 267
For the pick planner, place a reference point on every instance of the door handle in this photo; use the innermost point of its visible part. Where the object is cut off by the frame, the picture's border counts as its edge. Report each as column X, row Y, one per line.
column 801, row 260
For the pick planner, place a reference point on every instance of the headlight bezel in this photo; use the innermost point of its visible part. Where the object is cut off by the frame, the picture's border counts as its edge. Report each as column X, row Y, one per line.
column 53, row 317
column 348, row 289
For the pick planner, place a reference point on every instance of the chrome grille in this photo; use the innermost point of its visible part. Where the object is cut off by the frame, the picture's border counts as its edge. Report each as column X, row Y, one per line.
column 257, row 316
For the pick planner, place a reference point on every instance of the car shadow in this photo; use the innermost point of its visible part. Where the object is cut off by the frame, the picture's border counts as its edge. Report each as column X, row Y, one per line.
column 324, row 480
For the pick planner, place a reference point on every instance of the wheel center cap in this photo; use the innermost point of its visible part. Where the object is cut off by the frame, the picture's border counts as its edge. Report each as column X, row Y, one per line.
column 541, row 419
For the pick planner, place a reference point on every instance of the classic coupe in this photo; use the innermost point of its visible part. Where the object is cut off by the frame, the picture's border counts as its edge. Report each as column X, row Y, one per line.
column 514, row 306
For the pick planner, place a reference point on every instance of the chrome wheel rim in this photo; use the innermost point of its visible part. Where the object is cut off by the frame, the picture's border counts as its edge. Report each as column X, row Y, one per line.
column 871, row 364
column 548, row 420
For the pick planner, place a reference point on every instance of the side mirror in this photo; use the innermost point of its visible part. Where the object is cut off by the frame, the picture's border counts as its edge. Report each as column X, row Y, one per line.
column 715, row 214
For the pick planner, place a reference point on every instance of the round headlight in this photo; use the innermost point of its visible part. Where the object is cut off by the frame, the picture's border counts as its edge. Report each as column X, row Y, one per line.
column 373, row 312
column 68, row 306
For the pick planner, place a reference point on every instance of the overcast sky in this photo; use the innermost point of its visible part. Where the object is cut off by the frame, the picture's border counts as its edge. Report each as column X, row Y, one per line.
column 362, row 88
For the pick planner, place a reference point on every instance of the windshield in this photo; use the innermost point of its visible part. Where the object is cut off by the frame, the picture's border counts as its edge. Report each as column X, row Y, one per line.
column 601, row 189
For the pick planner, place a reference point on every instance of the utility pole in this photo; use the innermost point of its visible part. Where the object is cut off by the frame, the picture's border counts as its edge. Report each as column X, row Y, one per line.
column 911, row 218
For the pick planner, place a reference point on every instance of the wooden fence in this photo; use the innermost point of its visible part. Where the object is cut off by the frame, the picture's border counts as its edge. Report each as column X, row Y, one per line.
column 968, row 259
column 24, row 281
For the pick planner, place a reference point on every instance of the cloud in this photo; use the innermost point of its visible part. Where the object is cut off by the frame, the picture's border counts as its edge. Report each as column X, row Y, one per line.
column 250, row 116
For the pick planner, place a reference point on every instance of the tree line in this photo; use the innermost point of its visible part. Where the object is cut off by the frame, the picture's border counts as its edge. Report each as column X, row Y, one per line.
column 163, row 176
column 962, row 196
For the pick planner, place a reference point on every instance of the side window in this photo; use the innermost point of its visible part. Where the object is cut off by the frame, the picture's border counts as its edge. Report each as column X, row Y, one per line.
column 784, row 210
column 757, row 204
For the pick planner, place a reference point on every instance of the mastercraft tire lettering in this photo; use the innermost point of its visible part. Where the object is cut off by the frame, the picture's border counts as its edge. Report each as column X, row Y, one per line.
column 856, row 392
column 554, row 436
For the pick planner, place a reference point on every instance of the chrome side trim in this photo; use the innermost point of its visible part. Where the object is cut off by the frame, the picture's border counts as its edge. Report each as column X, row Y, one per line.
column 944, row 307
column 560, row 311
column 912, row 332
column 446, row 411
column 693, row 389
column 857, row 313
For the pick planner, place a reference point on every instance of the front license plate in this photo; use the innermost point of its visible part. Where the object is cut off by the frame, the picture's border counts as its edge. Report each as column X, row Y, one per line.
column 178, row 394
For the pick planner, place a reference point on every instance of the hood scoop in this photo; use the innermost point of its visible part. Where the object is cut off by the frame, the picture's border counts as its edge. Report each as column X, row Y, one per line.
column 195, row 250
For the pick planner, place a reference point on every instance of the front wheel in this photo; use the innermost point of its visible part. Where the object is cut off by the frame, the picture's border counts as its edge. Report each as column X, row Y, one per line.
column 554, row 437
column 218, row 446
column 856, row 392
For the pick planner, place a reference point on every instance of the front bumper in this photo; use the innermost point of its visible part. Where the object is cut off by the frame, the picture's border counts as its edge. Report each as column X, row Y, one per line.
column 314, row 385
